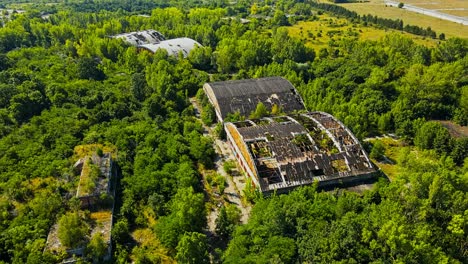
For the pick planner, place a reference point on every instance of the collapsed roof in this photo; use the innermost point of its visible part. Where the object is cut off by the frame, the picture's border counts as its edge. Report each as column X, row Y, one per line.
column 288, row 151
column 173, row 46
column 243, row 96
column 153, row 40
column 141, row 37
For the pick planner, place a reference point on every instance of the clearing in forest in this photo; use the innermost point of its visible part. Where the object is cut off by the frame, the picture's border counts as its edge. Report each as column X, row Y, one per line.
column 392, row 150
column 395, row 152
column 452, row 7
column 326, row 29
column 454, row 129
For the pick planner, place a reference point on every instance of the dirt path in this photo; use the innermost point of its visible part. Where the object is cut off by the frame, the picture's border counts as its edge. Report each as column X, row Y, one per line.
column 234, row 184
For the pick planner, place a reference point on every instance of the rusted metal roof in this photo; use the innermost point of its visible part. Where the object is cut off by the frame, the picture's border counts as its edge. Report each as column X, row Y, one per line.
column 243, row 96
column 301, row 154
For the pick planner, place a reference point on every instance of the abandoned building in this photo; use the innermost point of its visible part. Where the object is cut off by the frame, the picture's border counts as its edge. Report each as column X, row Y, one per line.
column 95, row 191
column 95, row 177
column 173, row 46
column 292, row 149
column 283, row 152
column 152, row 40
column 243, row 96
column 141, row 37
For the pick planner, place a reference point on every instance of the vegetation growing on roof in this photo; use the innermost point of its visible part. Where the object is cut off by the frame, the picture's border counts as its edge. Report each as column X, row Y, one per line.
column 88, row 178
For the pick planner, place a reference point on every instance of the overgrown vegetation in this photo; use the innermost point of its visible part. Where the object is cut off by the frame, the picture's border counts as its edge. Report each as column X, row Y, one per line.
column 417, row 218
column 64, row 83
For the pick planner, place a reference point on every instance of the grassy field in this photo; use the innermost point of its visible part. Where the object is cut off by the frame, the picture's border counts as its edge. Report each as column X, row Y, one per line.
column 392, row 151
column 318, row 33
column 450, row 29
column 446, row 6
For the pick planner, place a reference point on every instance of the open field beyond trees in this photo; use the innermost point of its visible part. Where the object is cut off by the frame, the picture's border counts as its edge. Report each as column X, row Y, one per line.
column 327, row 29
column 452, row 7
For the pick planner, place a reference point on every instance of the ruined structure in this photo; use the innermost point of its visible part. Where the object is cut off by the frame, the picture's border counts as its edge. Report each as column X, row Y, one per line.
column 297, row 148
column 96, row 193
column 95, row 179
column 280, row 153
column 152, row 40
column 243, row 96
column 173, row 46
column 141, row 37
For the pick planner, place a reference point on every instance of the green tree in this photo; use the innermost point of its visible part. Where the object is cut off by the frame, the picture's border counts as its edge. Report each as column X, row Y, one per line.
column 201, row 58
column 451, row 50
column 4, row 62
column 228, row 219
column 461, row 114
column 433, row 135
column 139, row 86
column 425, row 135
column 192, row 248
column 88, row 69
column 208, row 115
column 378, row 150
column 223, row 227
column 260, row 111
column 186, row 215
column 96, row 248
column 72, row 229
column 279, row 19
column 120, row 231
column 226, row 55
column 460, row 150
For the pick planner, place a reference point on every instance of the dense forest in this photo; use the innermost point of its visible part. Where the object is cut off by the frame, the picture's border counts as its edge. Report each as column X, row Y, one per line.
column 64, row 83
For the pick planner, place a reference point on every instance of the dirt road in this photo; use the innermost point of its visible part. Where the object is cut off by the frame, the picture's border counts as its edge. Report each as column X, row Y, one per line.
column 234, row 184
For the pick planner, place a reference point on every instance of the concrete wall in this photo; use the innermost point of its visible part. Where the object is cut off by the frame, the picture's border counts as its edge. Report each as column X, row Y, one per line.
column 241, row 153
column 336, row 182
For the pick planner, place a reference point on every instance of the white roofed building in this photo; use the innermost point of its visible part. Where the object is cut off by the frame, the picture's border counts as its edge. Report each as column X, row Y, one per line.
column 173, row 46
column 141, row 37
column 153, row 40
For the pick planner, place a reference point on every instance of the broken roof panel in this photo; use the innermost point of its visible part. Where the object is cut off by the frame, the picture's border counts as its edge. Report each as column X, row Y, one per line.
column 138, row 38
column 294, row 149
column 153, row 40
column 275, row 130
column 173, row 46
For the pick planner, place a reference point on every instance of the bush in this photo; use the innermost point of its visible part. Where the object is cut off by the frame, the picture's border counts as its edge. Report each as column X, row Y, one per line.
column 193, row 248
column 378, row 150
column 97, row 247
column 228, row 166
column 72, row 229
column 99, row 152
column 251, row 193
column 208, row 115
column 220, row 183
